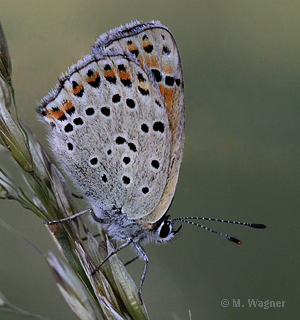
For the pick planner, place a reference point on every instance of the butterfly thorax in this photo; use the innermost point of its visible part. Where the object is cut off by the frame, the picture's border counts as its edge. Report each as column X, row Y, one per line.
column 119, row 227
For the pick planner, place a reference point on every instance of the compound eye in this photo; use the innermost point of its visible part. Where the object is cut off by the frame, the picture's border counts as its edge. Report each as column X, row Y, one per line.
column 165, row 229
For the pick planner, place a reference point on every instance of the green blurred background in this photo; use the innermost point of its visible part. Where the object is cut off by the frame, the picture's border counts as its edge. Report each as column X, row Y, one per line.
column 241, row 63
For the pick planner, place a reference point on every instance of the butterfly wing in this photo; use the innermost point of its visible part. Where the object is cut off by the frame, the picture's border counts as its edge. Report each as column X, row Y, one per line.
column 117, row 128
column 154, row 47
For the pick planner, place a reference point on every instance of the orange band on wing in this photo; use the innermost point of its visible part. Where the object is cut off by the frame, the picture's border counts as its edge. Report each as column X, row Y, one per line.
column 124, row 76
column 67, row 106
column 152, row 62
column 59, row 113
column 78, row 89
column 109, row 74
column 167, row 69
column 168, row 96
column 93, row 77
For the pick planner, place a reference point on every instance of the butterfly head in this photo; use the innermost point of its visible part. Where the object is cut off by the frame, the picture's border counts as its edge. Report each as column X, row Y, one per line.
column 165, row 231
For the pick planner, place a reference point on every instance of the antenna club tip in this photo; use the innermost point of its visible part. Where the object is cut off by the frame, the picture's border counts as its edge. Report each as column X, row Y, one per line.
column 235, row 240
column 258, row 226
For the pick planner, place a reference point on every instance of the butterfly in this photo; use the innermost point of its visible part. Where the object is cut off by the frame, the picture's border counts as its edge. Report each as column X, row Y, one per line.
column 116, row 122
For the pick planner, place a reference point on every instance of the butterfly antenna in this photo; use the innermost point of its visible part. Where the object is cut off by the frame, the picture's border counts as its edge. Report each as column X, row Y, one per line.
column 228, row 237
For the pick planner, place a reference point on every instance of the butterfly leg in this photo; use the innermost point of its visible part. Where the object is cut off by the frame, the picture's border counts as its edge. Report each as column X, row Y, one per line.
column 131, row 260
column 69, row 218
column 124, row 245
column 142, row 255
